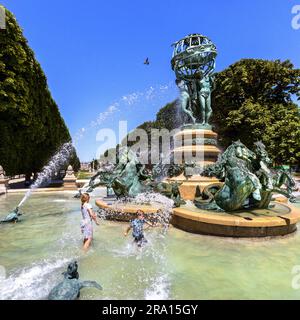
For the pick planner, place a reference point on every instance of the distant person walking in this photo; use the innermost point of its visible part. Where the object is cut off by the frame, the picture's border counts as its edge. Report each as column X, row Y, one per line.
column 87, row 221
column 137, row 226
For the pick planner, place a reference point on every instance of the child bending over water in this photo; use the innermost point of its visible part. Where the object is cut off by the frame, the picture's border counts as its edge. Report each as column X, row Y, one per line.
column 87, row 221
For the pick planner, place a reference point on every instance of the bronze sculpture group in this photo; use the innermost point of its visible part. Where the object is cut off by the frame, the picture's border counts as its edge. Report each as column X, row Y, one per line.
column 129, row 177
column 194, row 61
column 246, row 179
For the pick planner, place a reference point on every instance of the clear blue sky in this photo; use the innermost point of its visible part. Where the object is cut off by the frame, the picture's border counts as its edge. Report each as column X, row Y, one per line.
column 93, row 51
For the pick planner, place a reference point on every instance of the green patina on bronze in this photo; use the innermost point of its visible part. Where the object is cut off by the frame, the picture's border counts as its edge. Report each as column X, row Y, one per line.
column 248, row 180
column 194, row 61
column 170, row 190
column 129, row 178
column 69, row 288
column 12, row 216
column 200, row 142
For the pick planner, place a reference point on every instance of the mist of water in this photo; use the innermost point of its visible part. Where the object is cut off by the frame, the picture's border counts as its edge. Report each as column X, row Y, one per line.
column 155, row 200
column 157, row 284
column 161, row 201
column 32, row 282
column 133, row 99
column 54, row 165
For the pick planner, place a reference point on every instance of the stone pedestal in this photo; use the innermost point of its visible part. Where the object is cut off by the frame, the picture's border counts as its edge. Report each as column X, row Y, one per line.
column 195, row 143
column 3, row 181
column 70, row 179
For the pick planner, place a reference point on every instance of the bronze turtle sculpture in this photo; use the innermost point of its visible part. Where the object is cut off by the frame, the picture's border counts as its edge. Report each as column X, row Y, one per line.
column 69, row 288
column 12, row 216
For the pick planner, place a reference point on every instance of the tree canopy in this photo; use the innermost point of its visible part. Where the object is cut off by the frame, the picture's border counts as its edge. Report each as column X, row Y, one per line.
column 31, row 127
column 253, row 101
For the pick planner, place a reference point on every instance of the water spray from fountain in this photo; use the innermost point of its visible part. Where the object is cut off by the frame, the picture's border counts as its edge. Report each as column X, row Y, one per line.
column 129, row 100
column 54, row 165
column 161, row 218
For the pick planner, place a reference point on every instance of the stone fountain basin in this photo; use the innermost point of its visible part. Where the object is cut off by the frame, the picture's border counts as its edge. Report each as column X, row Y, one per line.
column 127, row 211
column 277, row 221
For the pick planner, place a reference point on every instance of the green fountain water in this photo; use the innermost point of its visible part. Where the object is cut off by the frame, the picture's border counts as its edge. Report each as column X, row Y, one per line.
column 178, row 265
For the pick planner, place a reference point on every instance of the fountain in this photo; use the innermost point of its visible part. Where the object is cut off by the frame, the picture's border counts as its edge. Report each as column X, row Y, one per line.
column 237, row 202
column 228, row 194
column 231, row 193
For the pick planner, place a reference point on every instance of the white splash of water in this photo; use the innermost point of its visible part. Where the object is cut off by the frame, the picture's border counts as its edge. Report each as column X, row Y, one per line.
column 129, row 249
column 130, row 99
column 160, row 288
column 104, row 115
column 54, row 165
column 32, row 283
column 154, row 200
column 156, row 282
column 158, row 200
column 158, row 285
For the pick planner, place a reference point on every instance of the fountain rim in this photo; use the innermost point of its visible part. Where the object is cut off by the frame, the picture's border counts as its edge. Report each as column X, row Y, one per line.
column 226, row 225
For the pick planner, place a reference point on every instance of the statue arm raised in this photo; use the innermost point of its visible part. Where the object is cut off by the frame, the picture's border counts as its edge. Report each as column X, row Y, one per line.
column 211, row 68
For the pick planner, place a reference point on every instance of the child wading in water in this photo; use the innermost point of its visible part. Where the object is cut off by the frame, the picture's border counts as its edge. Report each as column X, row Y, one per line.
column 87, row 221
column 138, row 228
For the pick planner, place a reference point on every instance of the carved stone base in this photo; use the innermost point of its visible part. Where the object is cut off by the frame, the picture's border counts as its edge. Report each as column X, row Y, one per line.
column 188, row 187
column 70, row 179
column 70, row 185
column 201, row 145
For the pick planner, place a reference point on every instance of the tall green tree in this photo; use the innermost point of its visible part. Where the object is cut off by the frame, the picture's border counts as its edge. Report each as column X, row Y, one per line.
column 74, row 161
column 170, row 116
column 253, row 101
column 95, row 164
column 31, row 127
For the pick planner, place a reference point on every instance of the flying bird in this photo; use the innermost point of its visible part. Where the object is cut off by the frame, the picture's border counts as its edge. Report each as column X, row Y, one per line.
column 147, row 61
